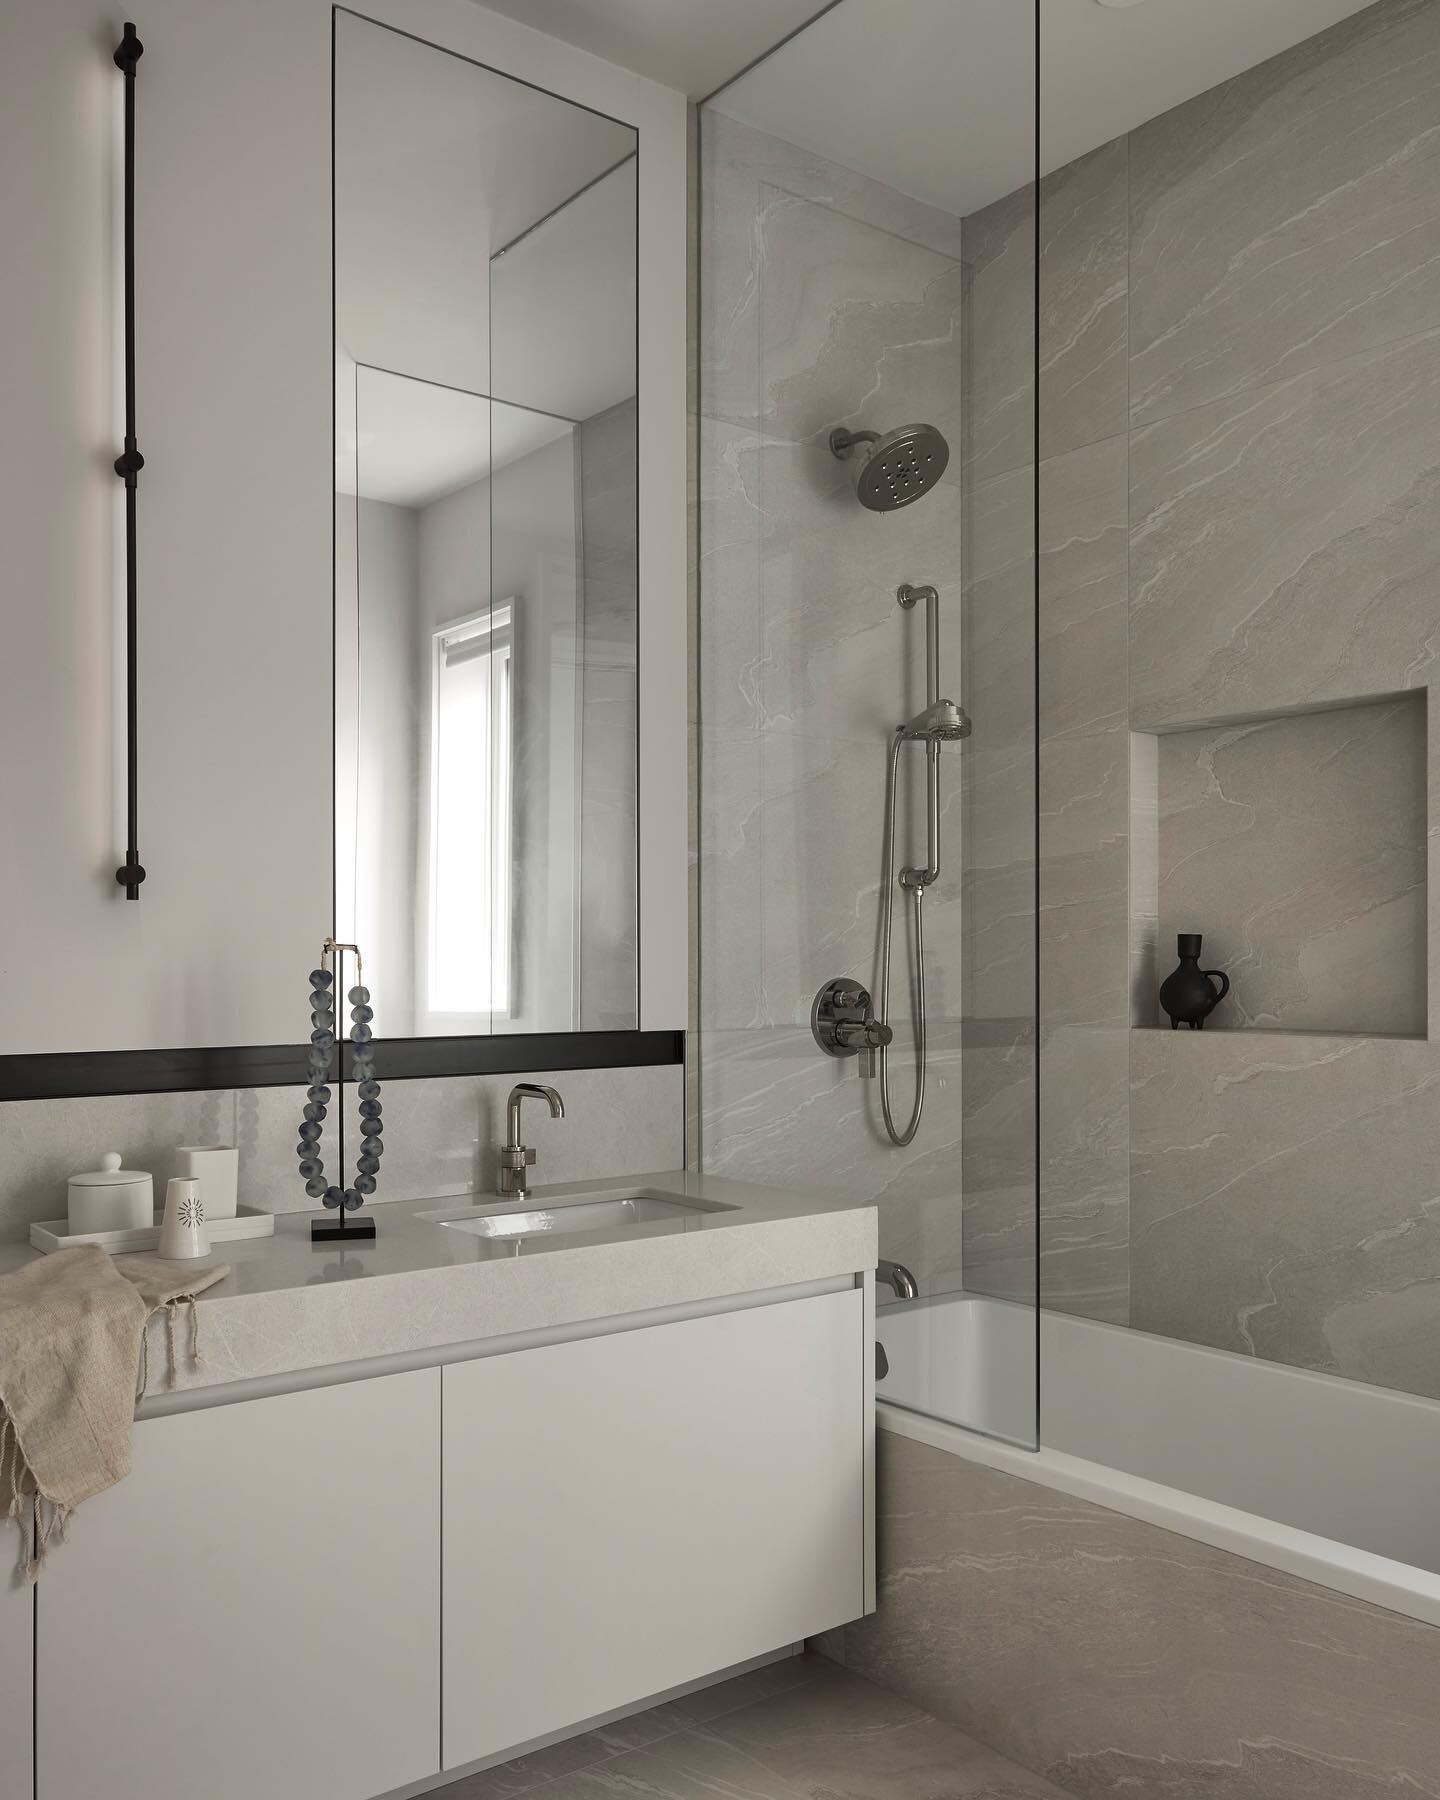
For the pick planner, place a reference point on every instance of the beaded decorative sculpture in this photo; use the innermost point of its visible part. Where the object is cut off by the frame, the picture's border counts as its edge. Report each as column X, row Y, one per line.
column 324, row 1041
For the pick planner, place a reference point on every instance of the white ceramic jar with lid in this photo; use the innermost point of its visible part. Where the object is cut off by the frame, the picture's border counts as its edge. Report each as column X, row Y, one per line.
column 111, row 1198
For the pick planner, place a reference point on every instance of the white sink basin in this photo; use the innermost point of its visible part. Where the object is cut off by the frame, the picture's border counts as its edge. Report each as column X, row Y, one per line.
column 573, row 1213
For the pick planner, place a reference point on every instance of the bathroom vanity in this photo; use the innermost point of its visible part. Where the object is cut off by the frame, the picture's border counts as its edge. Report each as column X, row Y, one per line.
column 464, row 1489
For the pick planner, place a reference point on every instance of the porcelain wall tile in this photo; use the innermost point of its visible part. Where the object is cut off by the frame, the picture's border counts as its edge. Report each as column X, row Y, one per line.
column 1288, row 219
column 729, row 875
column 834, row 301
column 746, row 175
column 1283, row 1199
column 1246, row 599
column 998, row 1152
column 1117, row 1658
column 1084, row 300
column 1085, row 1170
column 777, row 1111
column 44, row 1142
column 858, row 325
column 440, row 1136
column 1298, row 847
column 1000, row 250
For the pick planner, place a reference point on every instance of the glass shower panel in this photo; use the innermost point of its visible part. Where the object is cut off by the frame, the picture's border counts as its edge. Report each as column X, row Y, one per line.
column 867, row 727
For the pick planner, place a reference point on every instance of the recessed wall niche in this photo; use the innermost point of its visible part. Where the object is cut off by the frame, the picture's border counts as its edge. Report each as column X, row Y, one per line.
column 1296, row 843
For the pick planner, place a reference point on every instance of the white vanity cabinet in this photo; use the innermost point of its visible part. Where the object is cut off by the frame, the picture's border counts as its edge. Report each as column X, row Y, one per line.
column 273, row 1604
column 16, row 1674
column 624, row 1514
column 255, row 1611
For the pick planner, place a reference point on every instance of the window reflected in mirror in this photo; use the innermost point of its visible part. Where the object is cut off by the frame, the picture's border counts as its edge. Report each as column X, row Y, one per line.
column 486, row 553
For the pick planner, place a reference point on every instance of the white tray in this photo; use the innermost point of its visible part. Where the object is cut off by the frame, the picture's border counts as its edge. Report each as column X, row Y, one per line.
column 54, row 1234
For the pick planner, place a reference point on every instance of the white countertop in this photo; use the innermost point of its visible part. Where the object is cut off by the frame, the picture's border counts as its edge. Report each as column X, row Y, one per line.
column 290, row 1306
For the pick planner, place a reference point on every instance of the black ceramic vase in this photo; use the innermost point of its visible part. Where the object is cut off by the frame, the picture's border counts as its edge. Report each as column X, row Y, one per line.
column 1187, row 995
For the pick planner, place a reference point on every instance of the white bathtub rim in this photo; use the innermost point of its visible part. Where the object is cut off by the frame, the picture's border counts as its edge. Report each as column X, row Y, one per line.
column 1359, row 1574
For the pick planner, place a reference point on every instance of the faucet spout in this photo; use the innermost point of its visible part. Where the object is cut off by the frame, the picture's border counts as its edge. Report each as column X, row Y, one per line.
column 512, row 1179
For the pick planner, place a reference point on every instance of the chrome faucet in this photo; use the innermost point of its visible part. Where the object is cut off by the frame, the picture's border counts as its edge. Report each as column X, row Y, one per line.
column 512, row 1180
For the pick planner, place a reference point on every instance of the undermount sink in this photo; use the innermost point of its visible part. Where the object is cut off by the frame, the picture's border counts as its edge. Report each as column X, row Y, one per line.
column 601, row 1212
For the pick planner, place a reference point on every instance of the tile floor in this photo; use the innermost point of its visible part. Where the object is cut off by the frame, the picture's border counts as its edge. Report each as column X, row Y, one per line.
column 804, row 1729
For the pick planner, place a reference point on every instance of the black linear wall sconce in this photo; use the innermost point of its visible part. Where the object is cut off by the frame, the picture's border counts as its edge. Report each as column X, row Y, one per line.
column 128, row 466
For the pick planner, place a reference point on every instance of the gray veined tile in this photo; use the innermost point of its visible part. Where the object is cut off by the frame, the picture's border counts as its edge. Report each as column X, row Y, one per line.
column 1278, row 1181
column 1290, row 217
column 779, row 1677
column 1298, row 846
column 1084, row 300
column 843, row 1738
column 1282, row 543
column 687, row 1766
column 1125, row 1660
column 1000, row 339
column 638, row 1730
column 853, row 320
column 537, row 1769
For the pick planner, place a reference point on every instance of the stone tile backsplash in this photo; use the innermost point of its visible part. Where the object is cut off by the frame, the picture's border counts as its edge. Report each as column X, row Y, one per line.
column 440, row 1137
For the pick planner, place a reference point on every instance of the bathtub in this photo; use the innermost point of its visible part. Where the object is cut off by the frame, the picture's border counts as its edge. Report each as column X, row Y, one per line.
column 1329, row 1480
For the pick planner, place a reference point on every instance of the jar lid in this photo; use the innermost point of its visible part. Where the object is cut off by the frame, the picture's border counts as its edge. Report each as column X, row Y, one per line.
column 109, row 1174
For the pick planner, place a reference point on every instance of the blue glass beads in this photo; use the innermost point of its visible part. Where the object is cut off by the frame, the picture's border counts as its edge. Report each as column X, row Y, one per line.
column 319, row 1058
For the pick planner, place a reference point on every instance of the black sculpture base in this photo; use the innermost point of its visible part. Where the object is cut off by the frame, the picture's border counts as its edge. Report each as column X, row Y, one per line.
column 335, row 1231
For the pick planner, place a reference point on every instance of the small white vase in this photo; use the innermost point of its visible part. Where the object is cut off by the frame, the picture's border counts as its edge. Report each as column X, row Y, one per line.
column 183, row 1233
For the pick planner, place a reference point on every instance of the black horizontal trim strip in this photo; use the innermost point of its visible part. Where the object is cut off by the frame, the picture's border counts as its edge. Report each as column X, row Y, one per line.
column 71, row 1075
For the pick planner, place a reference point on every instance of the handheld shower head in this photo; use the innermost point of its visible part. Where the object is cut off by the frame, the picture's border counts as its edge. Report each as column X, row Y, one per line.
column 894, row 470
column 942, row 723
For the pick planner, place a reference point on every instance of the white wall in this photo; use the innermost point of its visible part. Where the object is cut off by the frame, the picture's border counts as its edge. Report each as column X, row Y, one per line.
column 235, row 360
column 392, row 706
column 233, row 349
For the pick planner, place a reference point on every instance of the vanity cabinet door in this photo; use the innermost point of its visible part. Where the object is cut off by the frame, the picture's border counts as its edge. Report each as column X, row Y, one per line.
column 628, row 1513
column 17, row 1649
column 254, row 1613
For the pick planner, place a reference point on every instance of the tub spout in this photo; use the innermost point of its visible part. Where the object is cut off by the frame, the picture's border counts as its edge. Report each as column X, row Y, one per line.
column 897, row 1276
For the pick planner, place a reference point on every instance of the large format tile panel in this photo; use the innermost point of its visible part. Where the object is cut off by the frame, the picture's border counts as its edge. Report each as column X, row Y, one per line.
column 1283, row 1199
column 1283, row 550
column 1290, row 218
column 1297, row 845
column 440, row 1137
column 1084, row 300
column 797, row 1730
column 1122, row 1660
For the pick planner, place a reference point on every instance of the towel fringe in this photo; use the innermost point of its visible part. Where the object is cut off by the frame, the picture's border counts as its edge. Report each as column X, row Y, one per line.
column 169, row 1308
column 38, row 1519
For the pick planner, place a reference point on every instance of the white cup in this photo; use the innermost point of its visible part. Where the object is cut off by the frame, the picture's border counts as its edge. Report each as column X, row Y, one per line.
column 217, row 1168
column 183, row 1233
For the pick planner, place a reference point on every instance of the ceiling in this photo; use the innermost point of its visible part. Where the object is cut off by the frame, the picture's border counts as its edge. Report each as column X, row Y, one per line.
column 413, row 443
column 693, row 45
column 936, row 97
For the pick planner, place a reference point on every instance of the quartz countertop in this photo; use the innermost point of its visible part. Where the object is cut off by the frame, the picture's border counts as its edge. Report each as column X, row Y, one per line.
column 289, row 1306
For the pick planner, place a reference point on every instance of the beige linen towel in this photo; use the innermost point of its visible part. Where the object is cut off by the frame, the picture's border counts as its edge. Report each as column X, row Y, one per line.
column 72, row 1327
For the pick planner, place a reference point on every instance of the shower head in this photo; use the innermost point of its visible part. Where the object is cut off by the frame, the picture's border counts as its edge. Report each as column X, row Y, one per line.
column 893, row 470
column 942, row 723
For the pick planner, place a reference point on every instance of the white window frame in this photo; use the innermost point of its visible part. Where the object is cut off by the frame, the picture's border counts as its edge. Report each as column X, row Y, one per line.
column 496, row 624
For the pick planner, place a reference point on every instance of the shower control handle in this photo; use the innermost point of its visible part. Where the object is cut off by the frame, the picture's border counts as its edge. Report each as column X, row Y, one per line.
column 844, row 1024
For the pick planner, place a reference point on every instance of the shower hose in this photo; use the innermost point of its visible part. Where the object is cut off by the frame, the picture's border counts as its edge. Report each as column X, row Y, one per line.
column 915, row 885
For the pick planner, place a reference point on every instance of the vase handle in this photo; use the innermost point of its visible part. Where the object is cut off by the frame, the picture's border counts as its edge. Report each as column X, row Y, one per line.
column 1224, row 980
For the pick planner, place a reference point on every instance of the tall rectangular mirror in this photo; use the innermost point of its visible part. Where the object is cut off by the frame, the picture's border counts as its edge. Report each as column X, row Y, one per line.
column 486, row 545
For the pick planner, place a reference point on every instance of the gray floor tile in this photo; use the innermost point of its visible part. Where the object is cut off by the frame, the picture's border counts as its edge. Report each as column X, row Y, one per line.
column 531, row 1771
column 745, row 1690
column 691, row 1765
column 840, row 1737
column 644, row 1728
column 802, row 1729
